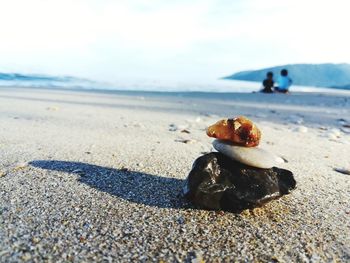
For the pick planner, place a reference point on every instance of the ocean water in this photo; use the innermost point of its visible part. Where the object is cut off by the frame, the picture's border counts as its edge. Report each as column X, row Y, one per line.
column 67, row 82
column 44, row 81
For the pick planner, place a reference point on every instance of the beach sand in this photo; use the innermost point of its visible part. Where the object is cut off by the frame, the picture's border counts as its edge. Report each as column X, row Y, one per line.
column 97, row 176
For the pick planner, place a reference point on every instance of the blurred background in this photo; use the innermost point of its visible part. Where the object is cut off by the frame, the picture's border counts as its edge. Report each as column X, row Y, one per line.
column 165, row 45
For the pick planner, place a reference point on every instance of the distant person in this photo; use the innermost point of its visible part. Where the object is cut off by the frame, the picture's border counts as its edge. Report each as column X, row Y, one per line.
column 268, row 83
column 283, row 82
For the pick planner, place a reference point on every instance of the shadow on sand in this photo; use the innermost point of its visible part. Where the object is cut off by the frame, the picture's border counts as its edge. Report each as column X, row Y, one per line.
column 142, row 188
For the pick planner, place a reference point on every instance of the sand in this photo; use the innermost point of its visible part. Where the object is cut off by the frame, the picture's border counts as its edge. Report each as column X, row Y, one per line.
column 97, row 176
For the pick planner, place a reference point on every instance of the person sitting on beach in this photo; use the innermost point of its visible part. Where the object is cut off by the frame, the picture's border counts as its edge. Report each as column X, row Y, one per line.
column 268, row 83
column 284, row 82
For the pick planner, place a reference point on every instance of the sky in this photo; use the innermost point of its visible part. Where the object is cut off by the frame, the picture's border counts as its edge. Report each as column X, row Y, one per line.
column 151, row 40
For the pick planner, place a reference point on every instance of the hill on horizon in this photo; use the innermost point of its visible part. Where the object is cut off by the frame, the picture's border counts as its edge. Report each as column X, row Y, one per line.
column 317, row 75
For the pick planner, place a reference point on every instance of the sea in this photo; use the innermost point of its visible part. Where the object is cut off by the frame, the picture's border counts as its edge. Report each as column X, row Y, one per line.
column 210, row 86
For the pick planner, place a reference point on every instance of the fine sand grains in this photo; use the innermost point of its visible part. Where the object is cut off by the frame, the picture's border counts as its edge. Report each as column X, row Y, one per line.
column 87, row 176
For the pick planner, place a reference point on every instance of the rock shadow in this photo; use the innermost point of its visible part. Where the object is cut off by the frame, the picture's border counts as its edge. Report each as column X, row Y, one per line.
column 142, row 188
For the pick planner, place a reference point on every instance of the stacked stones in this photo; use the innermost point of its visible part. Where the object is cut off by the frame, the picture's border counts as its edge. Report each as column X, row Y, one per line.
column 238, row 139
column 240, row 175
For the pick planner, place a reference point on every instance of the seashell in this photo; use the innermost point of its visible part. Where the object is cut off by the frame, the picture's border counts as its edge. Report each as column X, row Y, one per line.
column 252, row 156
column 240, row 131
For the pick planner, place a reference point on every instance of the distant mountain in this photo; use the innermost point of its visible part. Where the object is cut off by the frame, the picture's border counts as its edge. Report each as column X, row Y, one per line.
column 319, row 75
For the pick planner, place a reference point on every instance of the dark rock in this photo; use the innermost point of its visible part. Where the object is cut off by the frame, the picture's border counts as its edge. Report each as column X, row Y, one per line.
column 217, row 182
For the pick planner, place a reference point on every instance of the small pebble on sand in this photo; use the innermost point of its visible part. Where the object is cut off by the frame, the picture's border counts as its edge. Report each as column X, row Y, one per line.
column 187, row 141
column 302, row 129
column 342, row 170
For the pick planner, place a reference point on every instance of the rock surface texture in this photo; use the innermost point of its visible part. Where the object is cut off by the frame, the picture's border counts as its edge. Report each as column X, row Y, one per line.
column 217, row 182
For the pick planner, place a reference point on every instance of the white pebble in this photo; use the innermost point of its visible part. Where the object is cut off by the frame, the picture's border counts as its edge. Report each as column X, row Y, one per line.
column 253, row 156
column 198, row 119
column 302, row 129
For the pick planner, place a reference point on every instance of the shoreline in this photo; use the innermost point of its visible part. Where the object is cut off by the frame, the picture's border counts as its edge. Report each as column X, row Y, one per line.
column 294, row 90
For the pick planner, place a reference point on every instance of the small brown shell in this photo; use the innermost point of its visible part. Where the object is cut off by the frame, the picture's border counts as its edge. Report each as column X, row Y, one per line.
column 239, row 130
